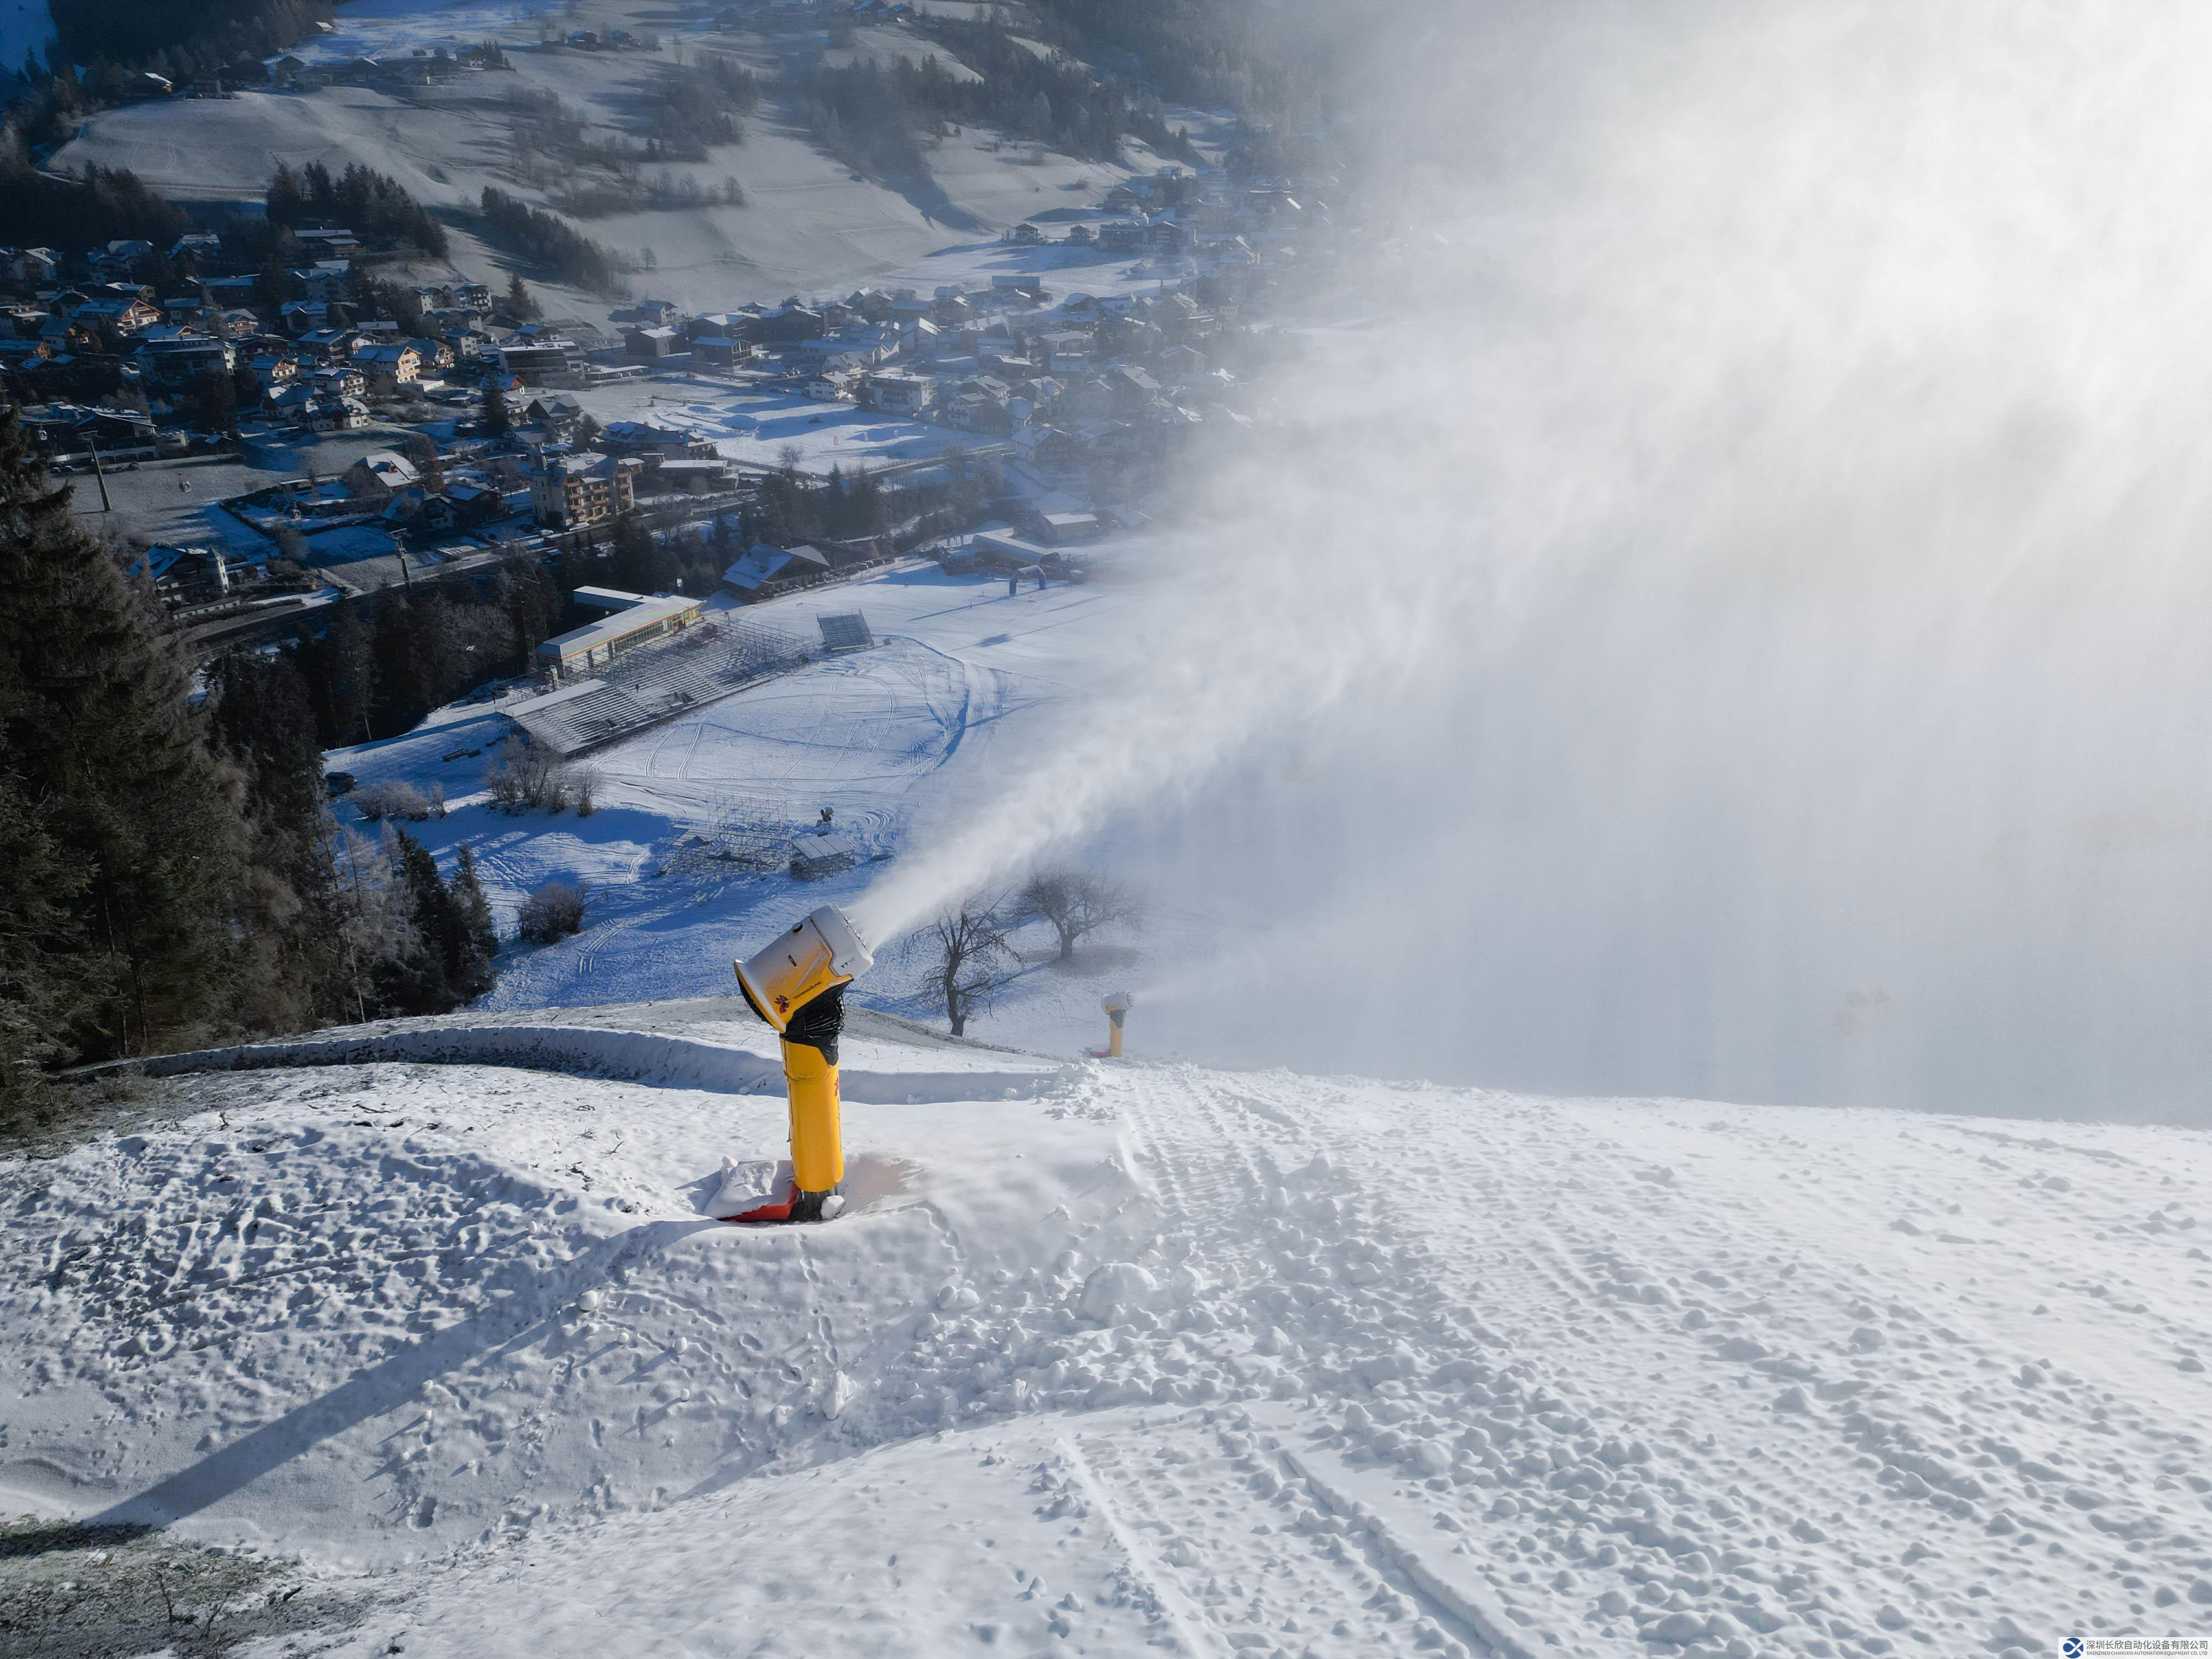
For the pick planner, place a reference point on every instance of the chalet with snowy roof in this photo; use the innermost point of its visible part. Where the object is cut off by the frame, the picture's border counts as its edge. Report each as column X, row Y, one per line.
column 762, row 564
column 389, row 367
column 34, row 267
column 380, row 473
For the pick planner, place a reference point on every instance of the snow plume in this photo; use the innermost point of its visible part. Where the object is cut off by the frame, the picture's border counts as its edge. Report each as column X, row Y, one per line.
column 1718, row 607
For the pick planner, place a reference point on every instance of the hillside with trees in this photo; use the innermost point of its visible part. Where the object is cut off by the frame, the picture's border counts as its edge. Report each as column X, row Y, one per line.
column 169, row 872
column 364, row 202
column 101, row 205
column 151, row 32
column 548, row 239
column 875, row 117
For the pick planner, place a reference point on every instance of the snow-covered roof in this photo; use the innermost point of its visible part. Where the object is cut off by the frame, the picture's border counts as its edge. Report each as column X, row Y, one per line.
column 761, row 564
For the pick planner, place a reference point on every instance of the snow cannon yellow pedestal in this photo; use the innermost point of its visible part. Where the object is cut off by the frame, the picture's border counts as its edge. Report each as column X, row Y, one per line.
column 797, row 985
column 1117, row 1007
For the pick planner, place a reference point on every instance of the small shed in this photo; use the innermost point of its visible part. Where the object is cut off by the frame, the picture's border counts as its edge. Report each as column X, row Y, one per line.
column 824, row 853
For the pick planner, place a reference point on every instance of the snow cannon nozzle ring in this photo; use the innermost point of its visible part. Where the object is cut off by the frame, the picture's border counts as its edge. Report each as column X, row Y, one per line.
column 821, row 952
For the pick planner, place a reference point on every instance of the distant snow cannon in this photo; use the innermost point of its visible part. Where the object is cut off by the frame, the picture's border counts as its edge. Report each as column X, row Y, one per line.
column 1117, row 1007
column 796, row 984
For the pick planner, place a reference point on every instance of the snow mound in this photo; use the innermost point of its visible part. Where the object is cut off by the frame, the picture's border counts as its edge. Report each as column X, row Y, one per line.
column 641, row 1056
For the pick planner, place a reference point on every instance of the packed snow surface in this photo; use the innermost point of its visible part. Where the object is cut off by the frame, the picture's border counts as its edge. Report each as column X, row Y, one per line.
column 1119, row 1357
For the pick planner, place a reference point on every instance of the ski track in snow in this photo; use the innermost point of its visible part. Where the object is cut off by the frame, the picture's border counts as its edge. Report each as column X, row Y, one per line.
column 1170, row 1358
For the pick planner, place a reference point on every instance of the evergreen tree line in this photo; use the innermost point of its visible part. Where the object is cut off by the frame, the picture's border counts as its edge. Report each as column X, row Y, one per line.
column 367, row 679
column 366, row 203
column 637, row 561
column 1053, row 100
column 1268, row 63
column 101, row 44
column 693, row 106
column 861, row 115
column 786, row 509
column 872, row 117
column 548, row 239
column 146, row 34
column 90, row 210
column 169, row 872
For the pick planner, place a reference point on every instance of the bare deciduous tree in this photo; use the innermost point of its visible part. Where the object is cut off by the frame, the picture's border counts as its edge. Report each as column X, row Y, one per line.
column 522, row 777
column 970, row 959
column 1076, row 903
column 553, row 912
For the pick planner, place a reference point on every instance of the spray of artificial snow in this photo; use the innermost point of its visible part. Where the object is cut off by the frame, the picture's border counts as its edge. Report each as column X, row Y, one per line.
column 1716, row 606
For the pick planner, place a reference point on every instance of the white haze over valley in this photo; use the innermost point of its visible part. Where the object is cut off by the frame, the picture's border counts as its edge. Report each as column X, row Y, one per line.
column 1719, row 609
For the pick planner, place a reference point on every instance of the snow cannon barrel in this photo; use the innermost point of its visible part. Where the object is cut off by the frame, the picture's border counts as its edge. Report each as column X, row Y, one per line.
column 797, row 985
column 1117, row 1007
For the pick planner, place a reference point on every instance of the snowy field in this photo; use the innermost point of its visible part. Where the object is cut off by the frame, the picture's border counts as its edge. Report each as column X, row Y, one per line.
column 1125, row 1359
column 962, row 675
column 755, row 428
column 811, row 225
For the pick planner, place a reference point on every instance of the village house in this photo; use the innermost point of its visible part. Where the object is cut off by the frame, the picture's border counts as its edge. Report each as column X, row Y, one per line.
column 545, row 361
column 388, row 368
column 577, row 491
column 642, row 438
column 903, row 395
column 555, row 411
column 175, row 361
column 377, row 476
column 337, row 414
column 762, row 564
column 275, row 369
column 34, row 267
column 339, row 380
column 123, row 316
column 330, row 244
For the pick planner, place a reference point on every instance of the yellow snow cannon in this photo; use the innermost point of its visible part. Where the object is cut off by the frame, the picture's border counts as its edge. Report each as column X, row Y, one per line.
column 797, row 985
column 1117, row 1008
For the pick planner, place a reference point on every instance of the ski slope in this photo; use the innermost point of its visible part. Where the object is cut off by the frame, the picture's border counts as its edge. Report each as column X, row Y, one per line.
column 1117, row 1358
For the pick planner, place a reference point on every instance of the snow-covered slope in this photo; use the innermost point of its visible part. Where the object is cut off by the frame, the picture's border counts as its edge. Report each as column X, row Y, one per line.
column 811, row 223
column 966, row 680
column 1219, row 1363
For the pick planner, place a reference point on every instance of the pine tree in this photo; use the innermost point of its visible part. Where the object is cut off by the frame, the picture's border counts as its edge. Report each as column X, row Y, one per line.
column 97, row 727
column 532, row 603
column 480, row 940
column 519, row 302
column 341, row 674
column 496, row 419
column 419, row 982
column 640, row 564
column 291, row 970
column 41, row 946
column 416, row 656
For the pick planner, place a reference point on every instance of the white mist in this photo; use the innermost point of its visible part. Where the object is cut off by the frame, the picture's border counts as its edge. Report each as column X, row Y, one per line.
column 1720, row 606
